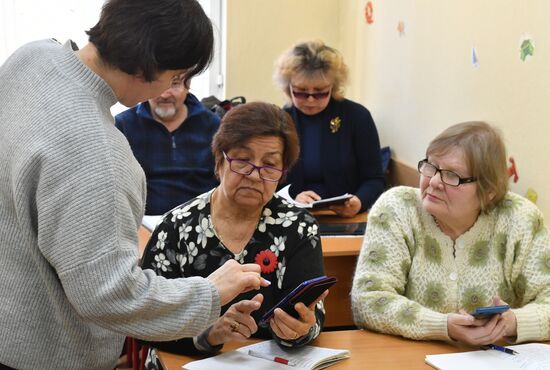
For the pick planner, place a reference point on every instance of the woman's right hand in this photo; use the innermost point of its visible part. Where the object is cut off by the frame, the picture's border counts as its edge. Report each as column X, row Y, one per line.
column 232, row 279
column 236, row 323
column 307, row 197
column 463, row 327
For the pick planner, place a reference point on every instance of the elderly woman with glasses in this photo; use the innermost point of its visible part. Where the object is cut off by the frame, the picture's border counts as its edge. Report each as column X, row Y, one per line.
column 340, row 146
column 433, row 255
column 242, row 219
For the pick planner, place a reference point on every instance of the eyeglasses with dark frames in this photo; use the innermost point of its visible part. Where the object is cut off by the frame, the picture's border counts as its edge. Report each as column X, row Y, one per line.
column 448, row 177
column 267, row 173
column 302, row 95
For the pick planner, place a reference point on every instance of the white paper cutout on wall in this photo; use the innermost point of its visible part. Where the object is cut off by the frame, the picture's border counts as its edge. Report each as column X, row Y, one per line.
column 401, row 28
column 475, row 59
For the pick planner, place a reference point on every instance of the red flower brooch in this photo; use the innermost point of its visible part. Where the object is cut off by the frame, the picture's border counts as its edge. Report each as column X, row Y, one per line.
column 267, row 261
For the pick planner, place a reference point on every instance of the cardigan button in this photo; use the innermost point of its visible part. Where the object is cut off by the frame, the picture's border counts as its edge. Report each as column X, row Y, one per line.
column 453, row 276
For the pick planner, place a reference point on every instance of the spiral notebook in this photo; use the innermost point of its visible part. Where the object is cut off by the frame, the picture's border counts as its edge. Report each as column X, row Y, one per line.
column 304, row 358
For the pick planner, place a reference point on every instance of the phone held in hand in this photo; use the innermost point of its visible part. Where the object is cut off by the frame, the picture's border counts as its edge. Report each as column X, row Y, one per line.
column 307, row 293
column 485, row 312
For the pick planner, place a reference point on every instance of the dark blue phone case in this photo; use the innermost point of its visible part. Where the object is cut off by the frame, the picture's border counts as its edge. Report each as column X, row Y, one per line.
column 307, row 293
column 482, row 312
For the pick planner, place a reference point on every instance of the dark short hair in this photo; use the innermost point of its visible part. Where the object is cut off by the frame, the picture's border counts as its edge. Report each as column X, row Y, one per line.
column 257, row 119
column 485, row 156
column 150, row 36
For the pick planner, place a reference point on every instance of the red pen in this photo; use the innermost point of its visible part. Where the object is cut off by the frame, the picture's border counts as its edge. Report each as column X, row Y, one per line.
column 269, row 357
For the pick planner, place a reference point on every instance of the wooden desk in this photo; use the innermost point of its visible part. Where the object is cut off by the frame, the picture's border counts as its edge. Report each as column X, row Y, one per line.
column 368, row 351
column 340, row 257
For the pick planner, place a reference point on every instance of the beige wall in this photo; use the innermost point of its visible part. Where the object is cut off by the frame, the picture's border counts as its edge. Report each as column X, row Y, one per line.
column 258, row 31
column 418, row 84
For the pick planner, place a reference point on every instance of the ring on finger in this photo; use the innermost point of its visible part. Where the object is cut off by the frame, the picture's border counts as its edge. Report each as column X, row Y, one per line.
column 235, row 325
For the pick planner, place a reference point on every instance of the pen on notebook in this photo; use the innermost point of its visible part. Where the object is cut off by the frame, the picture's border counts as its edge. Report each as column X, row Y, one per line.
column 500, row 348
column 269, row 357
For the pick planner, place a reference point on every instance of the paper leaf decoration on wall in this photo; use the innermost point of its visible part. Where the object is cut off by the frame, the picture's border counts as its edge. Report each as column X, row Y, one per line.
column 532, row 195
column 475, row 59
column 526, row 48
column 512, row 170
column 369, row 13
column 401, row 28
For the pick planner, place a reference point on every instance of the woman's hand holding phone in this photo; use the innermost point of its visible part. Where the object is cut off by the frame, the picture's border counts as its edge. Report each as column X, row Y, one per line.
column 509, row 318
column 307, row 292
column 462, row 327
column 289, row 328
column 290, row 318
column 492, row 324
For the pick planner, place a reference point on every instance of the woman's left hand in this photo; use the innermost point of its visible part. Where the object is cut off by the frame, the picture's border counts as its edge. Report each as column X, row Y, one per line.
column 509, row 318
column 289, row 328
column 465, row 328
column 349, row 209
column 462, row 327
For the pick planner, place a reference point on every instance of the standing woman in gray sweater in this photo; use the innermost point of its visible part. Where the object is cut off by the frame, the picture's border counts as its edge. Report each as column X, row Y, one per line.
column 72, row 194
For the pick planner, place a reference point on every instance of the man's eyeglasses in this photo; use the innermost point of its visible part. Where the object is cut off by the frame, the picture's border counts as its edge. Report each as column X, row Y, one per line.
column 301, row 95
column 266, row 173
column 448, row 177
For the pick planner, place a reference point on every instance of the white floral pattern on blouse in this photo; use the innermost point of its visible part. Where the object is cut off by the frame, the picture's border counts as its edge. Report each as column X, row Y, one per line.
column 185, row 244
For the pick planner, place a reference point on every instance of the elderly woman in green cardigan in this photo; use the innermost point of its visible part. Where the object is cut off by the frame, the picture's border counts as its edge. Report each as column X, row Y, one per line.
column 432, row 255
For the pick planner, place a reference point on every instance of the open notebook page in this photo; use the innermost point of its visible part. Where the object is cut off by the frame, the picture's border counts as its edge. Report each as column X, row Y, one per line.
column 305, row 358
column 531, row 356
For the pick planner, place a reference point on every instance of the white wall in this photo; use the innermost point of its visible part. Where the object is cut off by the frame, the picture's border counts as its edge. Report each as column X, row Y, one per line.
column 22, row 21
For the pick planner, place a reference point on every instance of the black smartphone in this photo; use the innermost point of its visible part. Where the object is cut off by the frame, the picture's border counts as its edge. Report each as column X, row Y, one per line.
column 307, row 293
column 485, row 312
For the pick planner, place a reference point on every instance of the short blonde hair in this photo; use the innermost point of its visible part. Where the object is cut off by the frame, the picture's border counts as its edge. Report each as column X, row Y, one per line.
column 311, row 58
column 485, row 156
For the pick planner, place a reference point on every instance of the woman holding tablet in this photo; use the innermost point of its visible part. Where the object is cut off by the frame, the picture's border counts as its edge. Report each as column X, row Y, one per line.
column 431, row 256
column 340, row 147
column 242, row 219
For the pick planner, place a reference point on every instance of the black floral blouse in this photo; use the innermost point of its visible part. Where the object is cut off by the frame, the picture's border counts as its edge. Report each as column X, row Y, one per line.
column 286, row 244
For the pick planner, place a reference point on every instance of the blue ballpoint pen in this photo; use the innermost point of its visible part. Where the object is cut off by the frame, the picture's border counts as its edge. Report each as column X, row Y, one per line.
column 500, row 348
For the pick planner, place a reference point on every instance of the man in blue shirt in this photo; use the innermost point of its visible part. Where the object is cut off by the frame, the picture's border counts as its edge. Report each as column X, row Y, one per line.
column 170, row 137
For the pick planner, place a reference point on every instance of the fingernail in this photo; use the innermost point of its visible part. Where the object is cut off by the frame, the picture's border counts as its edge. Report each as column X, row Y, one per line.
column 267, row 281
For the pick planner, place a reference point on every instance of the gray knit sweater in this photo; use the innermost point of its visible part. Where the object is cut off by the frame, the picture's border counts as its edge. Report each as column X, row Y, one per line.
column 71, row 201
